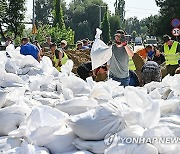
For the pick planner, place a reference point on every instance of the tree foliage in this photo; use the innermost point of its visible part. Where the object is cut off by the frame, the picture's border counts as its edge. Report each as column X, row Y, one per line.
column 120, row 11
column 114, row 21
column 57, row 34
column 83, row 13
column 105, row 28
column 43, row 11
column 58, row 14
column 11, row 17
column 168, row 10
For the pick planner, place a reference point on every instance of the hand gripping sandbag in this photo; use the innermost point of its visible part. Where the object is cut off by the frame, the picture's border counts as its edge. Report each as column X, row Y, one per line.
column 100, row 52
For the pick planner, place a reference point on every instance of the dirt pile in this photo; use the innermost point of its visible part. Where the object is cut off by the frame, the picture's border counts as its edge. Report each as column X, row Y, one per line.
column 78, row 57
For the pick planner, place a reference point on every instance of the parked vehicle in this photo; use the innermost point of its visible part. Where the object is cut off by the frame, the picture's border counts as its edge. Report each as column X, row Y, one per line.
column 138, row 41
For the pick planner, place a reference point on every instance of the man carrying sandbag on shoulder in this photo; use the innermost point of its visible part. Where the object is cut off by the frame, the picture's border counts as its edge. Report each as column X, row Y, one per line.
column 119, row 61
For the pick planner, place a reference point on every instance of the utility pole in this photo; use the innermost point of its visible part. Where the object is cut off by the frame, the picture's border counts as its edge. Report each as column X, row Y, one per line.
column 33, row 22
column 99, row 6
column 34, row 29
column 99, row 16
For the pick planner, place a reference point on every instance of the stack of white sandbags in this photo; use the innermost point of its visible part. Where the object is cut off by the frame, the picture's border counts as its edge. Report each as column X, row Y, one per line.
column 44, row 111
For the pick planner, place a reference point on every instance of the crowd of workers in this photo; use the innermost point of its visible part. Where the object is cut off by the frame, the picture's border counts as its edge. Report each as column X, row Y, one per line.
column 156, row 60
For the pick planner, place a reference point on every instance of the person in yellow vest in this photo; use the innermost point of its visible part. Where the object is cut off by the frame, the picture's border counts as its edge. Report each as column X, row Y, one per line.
column 171, row 49
column 58, row 56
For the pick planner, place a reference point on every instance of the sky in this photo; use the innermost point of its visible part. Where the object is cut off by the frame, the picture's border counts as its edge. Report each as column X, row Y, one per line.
column 138, row 8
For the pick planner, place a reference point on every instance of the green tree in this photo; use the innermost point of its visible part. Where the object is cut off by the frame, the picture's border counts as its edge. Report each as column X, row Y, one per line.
column 3, row 6
column 57, row 34
column 58, row 14
column 43, row 11
column 132, row 24
column 168, row 10
column 105, row 28
column 120, row 11
column 82, row 11
column 85, row 28
column 114, row 21
column 151, row 23
column 12, row 17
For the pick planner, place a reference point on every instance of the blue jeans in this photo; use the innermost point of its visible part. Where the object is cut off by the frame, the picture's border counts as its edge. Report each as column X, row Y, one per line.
column 124, row 81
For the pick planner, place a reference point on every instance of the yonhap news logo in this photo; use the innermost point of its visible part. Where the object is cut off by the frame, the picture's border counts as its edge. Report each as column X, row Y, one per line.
column 113, row 139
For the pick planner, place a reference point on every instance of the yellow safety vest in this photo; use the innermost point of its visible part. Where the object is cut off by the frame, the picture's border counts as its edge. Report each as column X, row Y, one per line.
column 170, row 54
column 63, row 60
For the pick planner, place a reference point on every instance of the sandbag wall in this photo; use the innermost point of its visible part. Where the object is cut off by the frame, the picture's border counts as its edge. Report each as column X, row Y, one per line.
column 44, row 111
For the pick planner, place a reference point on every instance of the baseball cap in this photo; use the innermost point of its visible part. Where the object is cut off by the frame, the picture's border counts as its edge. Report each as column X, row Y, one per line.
column 166, row 38
column 64, row 42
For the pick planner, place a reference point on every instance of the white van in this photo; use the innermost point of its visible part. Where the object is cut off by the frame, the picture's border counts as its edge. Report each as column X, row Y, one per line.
column 138, row 41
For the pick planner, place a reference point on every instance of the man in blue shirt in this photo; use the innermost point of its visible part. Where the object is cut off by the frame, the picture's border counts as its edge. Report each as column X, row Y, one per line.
column 29, row 49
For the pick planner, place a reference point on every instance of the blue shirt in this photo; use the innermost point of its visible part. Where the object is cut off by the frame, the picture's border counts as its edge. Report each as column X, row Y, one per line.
column 29, row 49
column 85, row 47
column 151, row 54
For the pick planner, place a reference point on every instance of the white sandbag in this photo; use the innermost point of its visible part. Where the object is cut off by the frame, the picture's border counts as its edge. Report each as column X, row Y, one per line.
column 162, row 132
column 46, row 65
column 153, row 110
column 92, row 146
column 132, row 149
column 10, row 47
column 103, row 90
column 61, row 141
column 77, row 105
column 175, row 85
column 97, row 123
column 38, row 80
column 175, row 119
column 26, row 148
column 7, row 142
column 141, row 116
column 137, row 98
column 45, row 94
column 33, row 71
column 29, row 61
column 50, row 87
column 45, row 101
column 155, row 94
column 10, row 79
column 10, row 118
column 67, row 67
column 41, row 124
column 3, row 94
column 124, row 137
column 23, row 71
column 172, row 122
column 169, row 106
column 78, row 152
column 132, row 131
column 10, row 66
column 100, row 52
column 67, row 94
column 76, row 84
column 14, row 94
column 59, row 87
column 154, row 85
